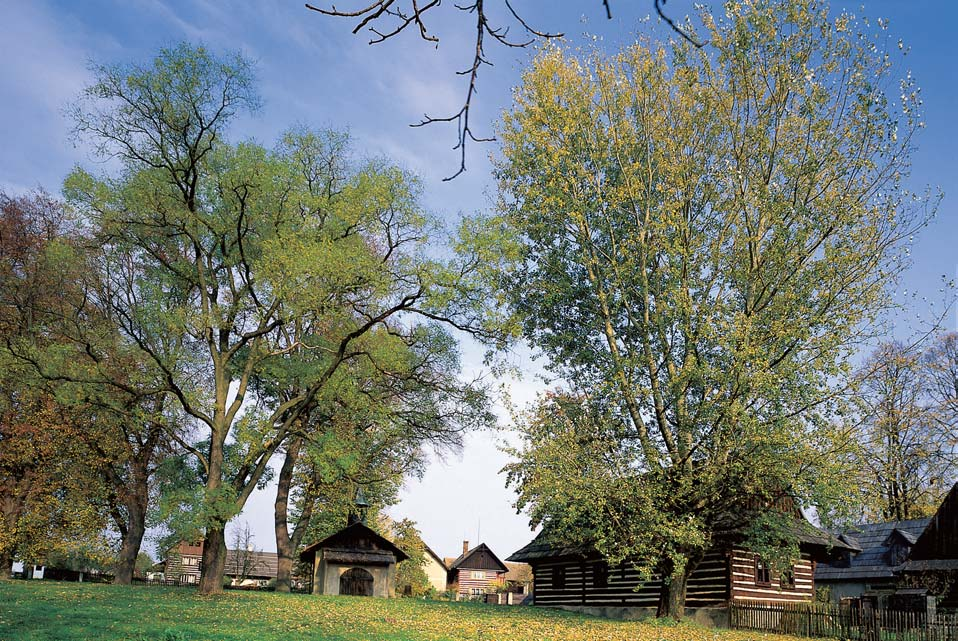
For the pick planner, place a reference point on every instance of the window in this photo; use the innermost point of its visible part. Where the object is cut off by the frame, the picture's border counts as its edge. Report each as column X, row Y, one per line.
column 191, row 561
column 477, row 592
column 761, row 572
column 600, row 575
column 787, row 580
column 558, row 578
column 477, row 574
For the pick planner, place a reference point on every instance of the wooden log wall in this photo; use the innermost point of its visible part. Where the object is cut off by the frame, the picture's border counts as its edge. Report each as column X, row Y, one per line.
column 467, row 583
column 584, row 585
column 745, row 588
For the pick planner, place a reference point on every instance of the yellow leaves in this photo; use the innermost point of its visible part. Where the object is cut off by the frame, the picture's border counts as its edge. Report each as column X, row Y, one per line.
column 107, row 613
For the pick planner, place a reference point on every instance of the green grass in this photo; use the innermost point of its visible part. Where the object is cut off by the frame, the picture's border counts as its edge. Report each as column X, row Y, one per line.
column 51, row 611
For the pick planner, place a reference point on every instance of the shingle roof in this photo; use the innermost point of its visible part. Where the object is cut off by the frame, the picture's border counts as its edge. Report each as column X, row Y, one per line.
column 544, row 546
column 465, row 557
column 874, row 539
column 351, row 536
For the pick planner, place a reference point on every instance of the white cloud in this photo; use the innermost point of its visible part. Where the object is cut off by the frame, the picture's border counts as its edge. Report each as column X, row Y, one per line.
column 43, row 70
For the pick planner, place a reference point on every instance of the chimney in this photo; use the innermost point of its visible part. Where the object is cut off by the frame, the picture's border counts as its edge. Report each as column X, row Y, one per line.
column 465, row 546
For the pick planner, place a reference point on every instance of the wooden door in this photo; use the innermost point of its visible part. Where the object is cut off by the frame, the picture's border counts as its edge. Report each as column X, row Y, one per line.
column 356, row 582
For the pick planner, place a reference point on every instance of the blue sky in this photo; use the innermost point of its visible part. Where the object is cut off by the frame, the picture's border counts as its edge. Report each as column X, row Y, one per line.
column 312, row 71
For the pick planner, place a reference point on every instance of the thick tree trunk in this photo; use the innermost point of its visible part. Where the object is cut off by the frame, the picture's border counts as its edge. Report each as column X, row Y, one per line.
column 214, row 560
column 672, row 599
column 285, row 545
column 284, row 570
column 130, row 544
column 674, row 586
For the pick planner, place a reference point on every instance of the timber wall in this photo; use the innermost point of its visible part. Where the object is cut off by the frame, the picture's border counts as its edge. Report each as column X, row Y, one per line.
column 721, row 577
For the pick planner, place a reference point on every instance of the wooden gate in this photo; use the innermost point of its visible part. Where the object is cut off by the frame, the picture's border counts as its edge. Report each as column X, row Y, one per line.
column 356, row 582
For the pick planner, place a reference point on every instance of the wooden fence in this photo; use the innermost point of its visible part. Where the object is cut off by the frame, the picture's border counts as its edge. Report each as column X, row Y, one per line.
column 844, row 622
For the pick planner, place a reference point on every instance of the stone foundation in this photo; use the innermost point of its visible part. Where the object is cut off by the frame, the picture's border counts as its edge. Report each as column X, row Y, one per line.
column 711, row 617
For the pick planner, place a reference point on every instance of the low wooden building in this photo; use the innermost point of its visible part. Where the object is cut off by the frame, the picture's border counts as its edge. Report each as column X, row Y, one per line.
column 354, row 561
column 577, row 577
column 476, row 571
column 933, row 561
column 917, row 557
column 872, row 571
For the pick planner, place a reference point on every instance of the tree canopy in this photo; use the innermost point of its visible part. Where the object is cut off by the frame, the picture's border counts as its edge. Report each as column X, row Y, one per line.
column 698, row 241
column 230, row 264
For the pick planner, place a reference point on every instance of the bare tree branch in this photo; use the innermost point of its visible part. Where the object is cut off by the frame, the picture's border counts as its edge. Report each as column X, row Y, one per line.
column 382, row 10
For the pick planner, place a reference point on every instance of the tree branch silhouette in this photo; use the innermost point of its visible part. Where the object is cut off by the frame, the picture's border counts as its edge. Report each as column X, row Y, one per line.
column 401, row 14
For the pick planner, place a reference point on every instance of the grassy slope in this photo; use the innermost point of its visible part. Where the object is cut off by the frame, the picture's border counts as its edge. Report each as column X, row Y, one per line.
column 70, row 612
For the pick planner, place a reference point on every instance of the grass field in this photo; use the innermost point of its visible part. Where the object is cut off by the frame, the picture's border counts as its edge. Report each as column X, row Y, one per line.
column 51, row 611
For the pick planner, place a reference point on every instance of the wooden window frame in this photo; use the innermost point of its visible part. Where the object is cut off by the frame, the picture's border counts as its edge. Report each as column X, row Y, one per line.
column 762, row 574
column 600, row 575
column 558, row 578
column 786, row 580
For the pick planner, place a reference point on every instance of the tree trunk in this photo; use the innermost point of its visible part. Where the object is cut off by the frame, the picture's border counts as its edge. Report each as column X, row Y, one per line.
column 672, row 600
column 6, row 565
column 130, row 543
column 674, row 585
column 285, row 546
column 214, row 545
column 214, row 560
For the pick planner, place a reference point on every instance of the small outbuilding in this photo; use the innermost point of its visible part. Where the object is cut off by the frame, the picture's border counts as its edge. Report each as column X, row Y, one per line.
column 354, row 561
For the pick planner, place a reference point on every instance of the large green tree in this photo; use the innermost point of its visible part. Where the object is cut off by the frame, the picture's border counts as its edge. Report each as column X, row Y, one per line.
column 697, row 240
column 229, row 264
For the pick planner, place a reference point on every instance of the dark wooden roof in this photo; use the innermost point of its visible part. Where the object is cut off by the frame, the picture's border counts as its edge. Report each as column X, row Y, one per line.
column 939, row 540
column 357, row 537
column 875, row 541
column 479, row 558
column 546, row 546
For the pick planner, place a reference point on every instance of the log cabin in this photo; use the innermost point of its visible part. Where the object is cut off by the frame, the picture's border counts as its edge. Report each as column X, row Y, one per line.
column 578, row 578
column 183, row 565
column 476, row 571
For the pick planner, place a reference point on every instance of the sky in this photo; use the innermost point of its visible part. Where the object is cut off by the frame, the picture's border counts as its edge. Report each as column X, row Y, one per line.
column 311, row 70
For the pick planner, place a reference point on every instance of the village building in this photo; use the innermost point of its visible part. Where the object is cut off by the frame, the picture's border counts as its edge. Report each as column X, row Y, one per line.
column 354, row 561
column 519, row 577
column 872, row 571
column 899, row 560
column 577, row 578
column 183, row 565
column 436, row 570
column 476, row 571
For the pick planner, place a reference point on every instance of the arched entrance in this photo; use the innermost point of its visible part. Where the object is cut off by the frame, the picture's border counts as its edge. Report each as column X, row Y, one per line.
column 356, row 582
